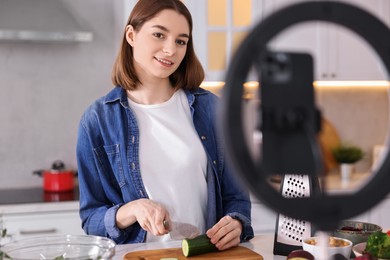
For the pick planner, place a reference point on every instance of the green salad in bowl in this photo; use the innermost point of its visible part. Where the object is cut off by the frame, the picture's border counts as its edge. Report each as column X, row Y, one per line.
column 378, row 245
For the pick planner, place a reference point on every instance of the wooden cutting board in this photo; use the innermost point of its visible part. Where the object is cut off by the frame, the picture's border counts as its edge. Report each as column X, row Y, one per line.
column 239, row 252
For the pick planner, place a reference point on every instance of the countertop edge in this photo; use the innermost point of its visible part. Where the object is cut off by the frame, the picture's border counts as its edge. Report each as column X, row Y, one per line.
column 39, row 207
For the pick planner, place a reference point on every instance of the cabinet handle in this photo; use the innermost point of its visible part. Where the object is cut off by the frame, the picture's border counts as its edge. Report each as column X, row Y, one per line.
column 38, row 231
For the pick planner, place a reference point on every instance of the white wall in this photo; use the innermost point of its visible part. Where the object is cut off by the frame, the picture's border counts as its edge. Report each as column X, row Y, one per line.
column 46, row 87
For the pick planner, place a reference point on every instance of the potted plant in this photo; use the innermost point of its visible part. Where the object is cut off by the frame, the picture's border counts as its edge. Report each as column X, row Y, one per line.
column 347, row 155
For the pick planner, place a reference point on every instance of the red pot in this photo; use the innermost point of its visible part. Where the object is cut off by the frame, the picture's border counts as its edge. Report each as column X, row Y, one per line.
column 57, row 178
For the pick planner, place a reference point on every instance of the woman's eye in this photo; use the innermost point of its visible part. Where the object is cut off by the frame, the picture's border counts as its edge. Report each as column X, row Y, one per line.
column 158, row 35
column 181, row 42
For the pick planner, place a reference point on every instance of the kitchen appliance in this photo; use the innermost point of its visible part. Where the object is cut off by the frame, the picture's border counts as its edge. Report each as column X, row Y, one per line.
column 58, row 178
column 56, row 196
column 293, row 119
column 41, row 21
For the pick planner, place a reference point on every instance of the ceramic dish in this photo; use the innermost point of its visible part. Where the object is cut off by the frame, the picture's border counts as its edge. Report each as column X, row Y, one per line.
column 356, row 231
column 317, row 251
column 358, row 248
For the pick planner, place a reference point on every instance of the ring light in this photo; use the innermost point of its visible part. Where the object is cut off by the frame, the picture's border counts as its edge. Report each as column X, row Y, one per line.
column 323, row 210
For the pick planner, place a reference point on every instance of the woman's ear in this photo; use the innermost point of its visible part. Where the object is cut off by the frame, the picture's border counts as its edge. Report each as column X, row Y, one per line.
column 130, row 35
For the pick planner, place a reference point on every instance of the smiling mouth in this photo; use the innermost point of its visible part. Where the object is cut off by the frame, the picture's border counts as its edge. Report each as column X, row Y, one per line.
column 164, row 61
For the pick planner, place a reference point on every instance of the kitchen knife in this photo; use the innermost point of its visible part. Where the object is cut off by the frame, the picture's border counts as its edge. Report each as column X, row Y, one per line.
column 181, row 230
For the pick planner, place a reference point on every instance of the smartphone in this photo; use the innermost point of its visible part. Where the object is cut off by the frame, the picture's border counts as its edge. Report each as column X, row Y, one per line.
column 289, row 117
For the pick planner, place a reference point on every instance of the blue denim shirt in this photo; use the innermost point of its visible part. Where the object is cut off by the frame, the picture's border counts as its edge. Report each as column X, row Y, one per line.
column 109, row 173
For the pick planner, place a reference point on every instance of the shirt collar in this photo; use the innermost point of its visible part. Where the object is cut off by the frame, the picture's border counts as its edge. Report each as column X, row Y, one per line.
column 118, row 94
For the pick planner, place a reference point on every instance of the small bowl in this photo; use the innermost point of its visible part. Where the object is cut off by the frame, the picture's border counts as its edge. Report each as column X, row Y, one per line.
column 61, row 247
column 355, row 231
column 359, row 248
column 317, row 251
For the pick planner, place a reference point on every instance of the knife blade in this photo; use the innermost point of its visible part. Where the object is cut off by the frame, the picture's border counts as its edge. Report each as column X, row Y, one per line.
column 181, row 230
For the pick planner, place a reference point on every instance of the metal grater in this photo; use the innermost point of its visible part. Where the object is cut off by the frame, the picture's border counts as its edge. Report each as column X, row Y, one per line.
column 289, row 232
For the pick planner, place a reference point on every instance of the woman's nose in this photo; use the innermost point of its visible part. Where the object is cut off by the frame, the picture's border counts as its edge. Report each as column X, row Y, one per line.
column 169, row 48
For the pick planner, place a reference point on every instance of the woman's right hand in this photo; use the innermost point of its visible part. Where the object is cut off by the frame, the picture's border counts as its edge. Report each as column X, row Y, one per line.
column 148, row 213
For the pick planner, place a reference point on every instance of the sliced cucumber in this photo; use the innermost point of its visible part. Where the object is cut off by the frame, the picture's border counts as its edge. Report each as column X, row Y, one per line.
column 198, row 245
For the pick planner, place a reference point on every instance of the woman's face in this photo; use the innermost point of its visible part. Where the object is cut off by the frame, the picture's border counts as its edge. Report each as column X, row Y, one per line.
column 160, row 45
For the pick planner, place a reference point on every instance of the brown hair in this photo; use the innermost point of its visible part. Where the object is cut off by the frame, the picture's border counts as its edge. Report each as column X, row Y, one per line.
column 188, row 75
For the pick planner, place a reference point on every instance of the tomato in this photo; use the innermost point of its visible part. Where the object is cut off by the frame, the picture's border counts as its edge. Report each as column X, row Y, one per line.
column 388, row 233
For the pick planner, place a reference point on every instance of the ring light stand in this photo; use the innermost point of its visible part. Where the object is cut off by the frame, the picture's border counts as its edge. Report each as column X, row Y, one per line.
column 299, row 118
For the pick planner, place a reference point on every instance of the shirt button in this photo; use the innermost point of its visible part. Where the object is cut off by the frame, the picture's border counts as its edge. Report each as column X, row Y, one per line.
column 215, row 162
column 133, row 166
column 203, row 137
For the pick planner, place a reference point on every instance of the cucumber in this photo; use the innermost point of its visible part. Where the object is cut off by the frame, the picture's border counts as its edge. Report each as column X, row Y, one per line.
column 198, row 245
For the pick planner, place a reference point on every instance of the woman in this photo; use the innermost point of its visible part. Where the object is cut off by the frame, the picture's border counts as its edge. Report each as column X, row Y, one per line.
column 147, row 152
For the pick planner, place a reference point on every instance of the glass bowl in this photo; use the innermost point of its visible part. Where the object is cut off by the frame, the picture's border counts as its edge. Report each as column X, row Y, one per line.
column 60, row 247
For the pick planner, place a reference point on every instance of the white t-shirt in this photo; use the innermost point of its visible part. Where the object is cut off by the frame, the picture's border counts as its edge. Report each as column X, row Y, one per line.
column 173, row 161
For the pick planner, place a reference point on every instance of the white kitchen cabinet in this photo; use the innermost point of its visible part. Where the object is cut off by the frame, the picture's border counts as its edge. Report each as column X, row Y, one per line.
column 339, row 54
column 350, row 57
column 41, row 219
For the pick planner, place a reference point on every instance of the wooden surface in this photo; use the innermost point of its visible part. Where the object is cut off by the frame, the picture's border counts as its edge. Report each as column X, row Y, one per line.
column 230, row 254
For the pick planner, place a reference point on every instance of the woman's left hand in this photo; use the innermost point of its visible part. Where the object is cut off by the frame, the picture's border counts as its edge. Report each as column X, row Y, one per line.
column 226, row 233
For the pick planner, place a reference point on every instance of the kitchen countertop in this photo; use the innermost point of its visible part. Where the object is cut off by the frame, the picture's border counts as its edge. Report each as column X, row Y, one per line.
column 35, row 199
column 334, row 184
column 261, row 244
column 36, row 195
